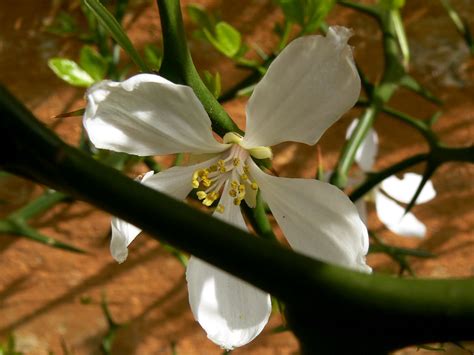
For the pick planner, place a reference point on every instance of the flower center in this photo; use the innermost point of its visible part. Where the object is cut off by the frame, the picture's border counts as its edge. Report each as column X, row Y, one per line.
column 231, row 166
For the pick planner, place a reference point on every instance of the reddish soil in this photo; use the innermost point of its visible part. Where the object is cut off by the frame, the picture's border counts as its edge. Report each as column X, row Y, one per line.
column 50, row 299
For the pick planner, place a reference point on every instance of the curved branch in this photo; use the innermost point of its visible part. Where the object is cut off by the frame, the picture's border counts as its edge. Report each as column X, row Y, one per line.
column 372, row 313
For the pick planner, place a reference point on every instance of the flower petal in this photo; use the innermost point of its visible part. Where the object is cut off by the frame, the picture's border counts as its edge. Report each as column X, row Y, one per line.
column 305, row 90
column 231, row 311
column 367, row 152
column 123, row 233
column 393, row 216
column 175, row 182
column 404, row 189
column 148, row 115
column 361, row 206
column 316, row 218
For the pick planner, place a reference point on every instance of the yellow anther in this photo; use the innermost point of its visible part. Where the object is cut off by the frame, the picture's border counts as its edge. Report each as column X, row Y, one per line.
column 232, row 137
column 254, row 186
column 237, row 201
column 206, row 182
column 234, row 184
column 220, row 208
column 261, row 152
column 195, row 183
column 233, row 193
column 207, row 202
column 246, row 169
column 241, row 188
column 213, row 168
column 236, row 162
column 244, row 177
column 220, row 162
column 222, row 169
column 201, row 195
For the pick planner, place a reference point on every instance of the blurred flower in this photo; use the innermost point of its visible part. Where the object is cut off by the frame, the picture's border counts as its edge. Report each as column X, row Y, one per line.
column 305, row 90
column 391, row 192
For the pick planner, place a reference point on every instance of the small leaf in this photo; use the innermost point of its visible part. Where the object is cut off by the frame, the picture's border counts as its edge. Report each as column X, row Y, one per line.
column 293, row 10
column 69, row 71
column 93, row 63
column 227, row 39
column 200, row 17
column 153, row 56
column 315, row 12
column 116, row 31
column 63, row 25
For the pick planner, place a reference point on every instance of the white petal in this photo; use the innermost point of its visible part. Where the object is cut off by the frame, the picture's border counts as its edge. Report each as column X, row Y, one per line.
column 394, row 218
column 305, row 90
column 404, row 189
column 367, row 152
column 231, row 311
column 123, row 233
column 361, row 206
column 316, row 218
column 175, row 182
column 148, row 115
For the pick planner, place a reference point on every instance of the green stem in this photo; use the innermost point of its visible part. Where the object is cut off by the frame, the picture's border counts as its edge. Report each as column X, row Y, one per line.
column 178, row 66
column 340, row 176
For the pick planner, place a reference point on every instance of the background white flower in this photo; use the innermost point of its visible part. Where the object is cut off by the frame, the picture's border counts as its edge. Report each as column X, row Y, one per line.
column 305, row 90
column 392, row 191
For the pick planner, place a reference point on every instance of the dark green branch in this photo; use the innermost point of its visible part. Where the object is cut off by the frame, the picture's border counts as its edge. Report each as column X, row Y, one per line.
column 325, row 304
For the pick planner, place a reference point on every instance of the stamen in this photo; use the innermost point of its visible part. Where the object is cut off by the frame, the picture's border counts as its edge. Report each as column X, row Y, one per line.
column 236, row 162
column 201, row 195
column 233, row 193
column 237, row 201
column 244, row 177
column 254, row 186
column 220, row 208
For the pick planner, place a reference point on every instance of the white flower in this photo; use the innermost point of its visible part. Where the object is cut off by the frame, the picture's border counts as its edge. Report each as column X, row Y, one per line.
column 398, row 190
column 306, row 89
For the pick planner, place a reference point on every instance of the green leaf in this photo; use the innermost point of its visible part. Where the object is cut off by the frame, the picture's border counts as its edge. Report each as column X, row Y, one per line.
column 213, row 83
column 293, row 10
column 153, row 56
column 63, row 25
column 309, row 14
column 116, row 31
column 315, row 12
column 200, row 17
column 69, row 71
column 227, row 39
column 93, row 63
